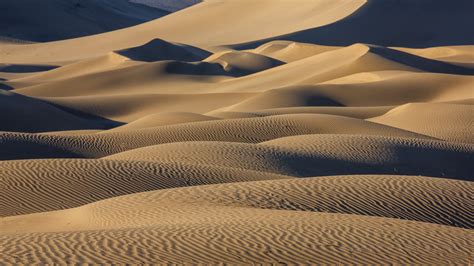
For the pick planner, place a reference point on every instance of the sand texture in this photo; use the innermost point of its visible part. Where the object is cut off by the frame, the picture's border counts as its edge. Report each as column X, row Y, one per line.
column 266, row 132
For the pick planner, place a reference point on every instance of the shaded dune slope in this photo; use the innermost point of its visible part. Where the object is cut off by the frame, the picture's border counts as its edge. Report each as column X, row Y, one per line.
column 424, row 24
column 51, row 20
column 311, row 155
column 157, row 50
column 251, row 130
column 244, row 63
column 181, row 27
column 147, row 76
column 38, row 116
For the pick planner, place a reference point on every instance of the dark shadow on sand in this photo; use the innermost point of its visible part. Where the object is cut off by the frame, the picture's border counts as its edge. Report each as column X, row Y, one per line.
column 25, row 68
column 401, row 23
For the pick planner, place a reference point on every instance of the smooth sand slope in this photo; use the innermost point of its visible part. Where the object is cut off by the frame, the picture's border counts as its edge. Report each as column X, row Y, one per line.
column 425, row 24
column 35, row 115
column 258, row 23
column 239, row 132
column 452, row 122
column 416, row 24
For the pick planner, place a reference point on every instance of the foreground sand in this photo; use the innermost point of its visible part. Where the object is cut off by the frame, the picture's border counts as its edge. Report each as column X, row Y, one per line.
column 315, row 220
column 187, row 141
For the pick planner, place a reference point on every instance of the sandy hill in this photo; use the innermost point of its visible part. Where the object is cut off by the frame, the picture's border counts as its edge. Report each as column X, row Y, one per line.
column 239, row 132
column 50, row 20
column 266, row 215
column 425, row 23
column 258, row 23
column 403, row 23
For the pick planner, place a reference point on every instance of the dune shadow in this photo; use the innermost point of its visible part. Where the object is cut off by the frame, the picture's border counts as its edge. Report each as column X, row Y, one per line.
column 17, row 68
column 198, row 69
column 104, row 123
column 15, row 147
column 321, row 100
column 45, row 21
column 421, row 63
column 402, row 23
column 159, row 50
column 416, row 162
column 22, row 113
column 5, row 87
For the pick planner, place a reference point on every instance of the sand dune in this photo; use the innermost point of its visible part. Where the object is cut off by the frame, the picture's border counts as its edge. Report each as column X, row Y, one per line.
column 144, row 77
column 444, row 121
column 251, row 130
column 415, row 24
column 301, row 25
column 311, row 155
column 98, row 64
column 50, row 20
column 322, row 238
column 288, row 51
column 167, row 76
column 162, row 119
column 394, row 91
column 236, row 132
column 243, row 63
column 453, row 54
column 331, row 194
column 123, row 107
column 259, row 215
column 40, row 185
column 356, row 112
column 38, row 116
column 180, row 27
column 157, row 50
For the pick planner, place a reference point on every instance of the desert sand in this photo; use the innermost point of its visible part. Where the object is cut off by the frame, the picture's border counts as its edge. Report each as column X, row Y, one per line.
column 237, row 132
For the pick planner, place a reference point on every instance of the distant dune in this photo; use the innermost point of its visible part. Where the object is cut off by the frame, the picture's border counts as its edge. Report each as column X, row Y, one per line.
column 404, row 23
column 236, row 132
column 169, row 5
column 51, row 20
